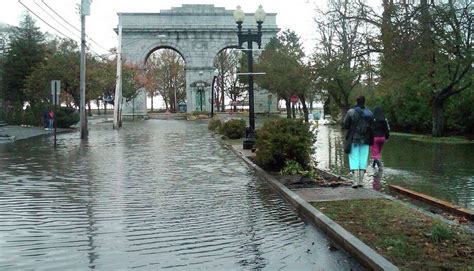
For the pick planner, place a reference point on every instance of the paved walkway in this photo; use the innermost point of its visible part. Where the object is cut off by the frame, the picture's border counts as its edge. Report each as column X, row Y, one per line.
column 316, row 194
column 20, row 132
column 336, row 193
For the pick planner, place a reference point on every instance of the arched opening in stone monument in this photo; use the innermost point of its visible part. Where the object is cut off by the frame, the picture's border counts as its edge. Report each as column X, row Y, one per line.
column 165, row 80
column 230, row 90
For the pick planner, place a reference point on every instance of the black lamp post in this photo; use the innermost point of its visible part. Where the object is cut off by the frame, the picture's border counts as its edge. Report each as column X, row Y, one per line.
column 250, row 38
column 212, row 92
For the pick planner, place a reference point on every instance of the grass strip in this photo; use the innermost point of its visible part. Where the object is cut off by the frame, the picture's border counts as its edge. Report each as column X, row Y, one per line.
column 430, row 139
column 406, row 237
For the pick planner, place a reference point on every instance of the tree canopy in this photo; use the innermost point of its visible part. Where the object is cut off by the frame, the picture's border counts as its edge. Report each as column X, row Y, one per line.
column 26, row 50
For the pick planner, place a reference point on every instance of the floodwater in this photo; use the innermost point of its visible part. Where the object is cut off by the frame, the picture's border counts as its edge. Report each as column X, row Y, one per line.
column 156, row 195
column 444, row 171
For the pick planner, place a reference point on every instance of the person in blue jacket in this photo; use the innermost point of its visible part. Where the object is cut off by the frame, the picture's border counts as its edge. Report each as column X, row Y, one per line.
column 358, row 121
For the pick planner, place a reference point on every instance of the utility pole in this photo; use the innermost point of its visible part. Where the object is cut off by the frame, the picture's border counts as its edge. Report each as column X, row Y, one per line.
column 118, row 85
column 85, row 10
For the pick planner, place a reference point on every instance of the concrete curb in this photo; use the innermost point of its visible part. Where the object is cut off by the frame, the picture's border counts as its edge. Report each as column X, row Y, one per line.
column 355, row 247
column 19, row 133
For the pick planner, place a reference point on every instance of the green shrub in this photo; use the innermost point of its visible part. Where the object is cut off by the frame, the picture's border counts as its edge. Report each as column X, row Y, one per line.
column 197, row 113
column 291, row 168
column 31, row 115
column 233, row 129
column 294, row 168
column 440, row 233
column 30, row 118
column 214, row 124
column 281, row 140
column 14, row 116
column 66, row 117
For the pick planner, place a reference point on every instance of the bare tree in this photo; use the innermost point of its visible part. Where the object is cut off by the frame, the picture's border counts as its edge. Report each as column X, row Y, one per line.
column 227, row 62
column 341, row 59
column 166, row 76
column 451, row 59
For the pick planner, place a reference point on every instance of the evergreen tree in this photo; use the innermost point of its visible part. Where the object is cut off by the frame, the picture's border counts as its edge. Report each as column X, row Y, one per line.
column 25, row 52
column 286, row 74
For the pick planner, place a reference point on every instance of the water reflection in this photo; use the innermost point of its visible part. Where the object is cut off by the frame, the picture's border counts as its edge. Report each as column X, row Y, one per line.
column 377, row 178
column 441, row 170
column 155, row 195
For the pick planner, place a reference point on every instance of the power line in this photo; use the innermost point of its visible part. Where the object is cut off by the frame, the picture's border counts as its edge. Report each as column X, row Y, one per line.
column 66, row 21
column 57, row 14
column 66, row 36
column 56, row 20
column 19, row 1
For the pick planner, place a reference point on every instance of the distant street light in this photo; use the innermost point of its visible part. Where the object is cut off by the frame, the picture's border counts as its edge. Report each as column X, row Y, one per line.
column 250, row 38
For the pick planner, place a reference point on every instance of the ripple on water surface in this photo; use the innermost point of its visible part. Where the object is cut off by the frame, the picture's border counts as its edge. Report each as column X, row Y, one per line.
column 155, row 195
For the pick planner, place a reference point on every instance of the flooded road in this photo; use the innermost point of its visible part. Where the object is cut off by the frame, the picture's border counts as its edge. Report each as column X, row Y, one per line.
column 155, row 195
column 444, row 171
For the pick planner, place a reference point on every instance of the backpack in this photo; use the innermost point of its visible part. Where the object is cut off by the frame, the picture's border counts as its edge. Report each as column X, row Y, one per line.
column 362, row 130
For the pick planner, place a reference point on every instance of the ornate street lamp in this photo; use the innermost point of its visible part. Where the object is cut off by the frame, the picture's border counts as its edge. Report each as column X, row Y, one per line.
column 250, row 38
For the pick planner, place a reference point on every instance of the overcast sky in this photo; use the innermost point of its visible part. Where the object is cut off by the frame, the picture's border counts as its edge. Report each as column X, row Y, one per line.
column 296, row 15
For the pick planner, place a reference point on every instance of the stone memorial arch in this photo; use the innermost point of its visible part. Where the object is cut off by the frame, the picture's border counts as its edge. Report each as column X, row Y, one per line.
column 198, row 33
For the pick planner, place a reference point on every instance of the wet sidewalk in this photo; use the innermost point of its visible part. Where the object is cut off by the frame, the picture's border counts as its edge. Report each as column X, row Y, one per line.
column 12, row 133
column 336, row 193
column 317, row 194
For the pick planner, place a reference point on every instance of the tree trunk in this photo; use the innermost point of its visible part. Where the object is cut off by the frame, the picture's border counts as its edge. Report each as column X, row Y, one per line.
column 344, row 110
column 387, row 36
column 438, row 117
column 222, row 94
column 288, row 108
column 326, row 107
column 89, row 111
column 105, row 108
column 151, row 103
column 293, row 110
column 175, row 110
column 305, row 108
column 98, row 106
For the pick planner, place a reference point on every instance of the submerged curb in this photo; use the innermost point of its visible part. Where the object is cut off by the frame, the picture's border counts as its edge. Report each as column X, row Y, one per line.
column 355, row 247
column 447, row 206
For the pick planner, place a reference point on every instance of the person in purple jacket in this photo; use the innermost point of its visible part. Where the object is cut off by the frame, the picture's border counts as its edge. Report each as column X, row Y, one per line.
column 381, row 134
